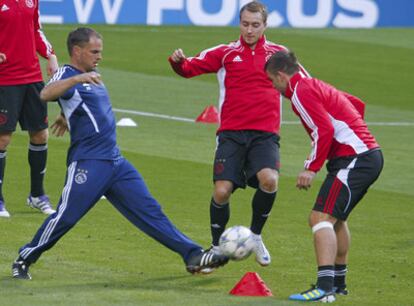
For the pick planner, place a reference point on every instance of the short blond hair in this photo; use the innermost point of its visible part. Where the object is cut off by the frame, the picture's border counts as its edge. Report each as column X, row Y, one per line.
column 255, row 7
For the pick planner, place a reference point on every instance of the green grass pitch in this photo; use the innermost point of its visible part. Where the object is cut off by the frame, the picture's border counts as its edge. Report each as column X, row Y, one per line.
column 104, row 260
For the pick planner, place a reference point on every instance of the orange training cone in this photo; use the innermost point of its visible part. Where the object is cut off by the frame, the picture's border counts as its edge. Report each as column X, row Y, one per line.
column 209, row 115
column 251, row 285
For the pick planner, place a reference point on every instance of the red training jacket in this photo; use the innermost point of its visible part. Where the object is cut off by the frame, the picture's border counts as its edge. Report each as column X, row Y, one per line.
column 333, row 119
column 20, row 38
column 247, row 99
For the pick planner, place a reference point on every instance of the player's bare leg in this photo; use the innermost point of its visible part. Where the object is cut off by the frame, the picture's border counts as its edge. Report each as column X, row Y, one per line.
column 222, row 192
column 325, row 244
column 324, row 238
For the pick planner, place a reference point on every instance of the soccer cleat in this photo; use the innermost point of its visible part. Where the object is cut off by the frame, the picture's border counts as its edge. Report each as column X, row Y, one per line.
column 20, row 269
column 314, row 294
column 41, row 203
column 262, row 254
column 205, row 260
column 3, row 211
column 214, row 249
column 340, row 290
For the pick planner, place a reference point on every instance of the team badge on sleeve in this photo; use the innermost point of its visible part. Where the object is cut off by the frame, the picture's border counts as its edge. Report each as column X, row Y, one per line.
column 29, row 3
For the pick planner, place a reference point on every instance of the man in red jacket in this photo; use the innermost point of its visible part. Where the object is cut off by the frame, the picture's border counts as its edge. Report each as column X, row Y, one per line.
column 20, row 85
column 334, row 121
column 248, row 141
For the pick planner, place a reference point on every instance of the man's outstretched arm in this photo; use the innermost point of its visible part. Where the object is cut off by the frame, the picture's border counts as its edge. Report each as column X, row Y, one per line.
column 55, row 89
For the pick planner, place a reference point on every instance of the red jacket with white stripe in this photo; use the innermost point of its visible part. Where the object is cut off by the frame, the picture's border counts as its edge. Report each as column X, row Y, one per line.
column 20, row 38
column 333, row 119
column 247, row 100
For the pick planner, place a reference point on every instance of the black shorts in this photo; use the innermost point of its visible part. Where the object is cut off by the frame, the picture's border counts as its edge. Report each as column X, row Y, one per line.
column 21, row 103
column 241, row 154
column 346, row 183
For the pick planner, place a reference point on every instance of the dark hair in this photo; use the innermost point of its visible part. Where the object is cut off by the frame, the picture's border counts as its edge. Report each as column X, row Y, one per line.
column 284, row 61
column 80, row 37
column 255, row 7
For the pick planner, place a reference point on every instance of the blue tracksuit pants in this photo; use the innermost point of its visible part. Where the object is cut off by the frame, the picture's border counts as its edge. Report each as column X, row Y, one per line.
column 123, row 186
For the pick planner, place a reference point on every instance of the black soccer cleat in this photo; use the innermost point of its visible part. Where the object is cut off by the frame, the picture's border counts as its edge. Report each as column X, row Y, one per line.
column 20, row 270
column 205, row 260
column 214, row 249
column 340, row 290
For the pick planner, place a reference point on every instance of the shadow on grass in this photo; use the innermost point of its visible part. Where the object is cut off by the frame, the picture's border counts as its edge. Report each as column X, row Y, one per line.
column 178, row 290
column 179, row 283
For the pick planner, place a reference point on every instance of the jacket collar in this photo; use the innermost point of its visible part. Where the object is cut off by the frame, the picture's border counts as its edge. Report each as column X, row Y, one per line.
column 259, row 43
column 294, row 80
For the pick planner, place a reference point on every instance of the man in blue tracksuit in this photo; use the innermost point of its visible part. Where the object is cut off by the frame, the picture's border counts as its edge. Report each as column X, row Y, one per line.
column 95, row 165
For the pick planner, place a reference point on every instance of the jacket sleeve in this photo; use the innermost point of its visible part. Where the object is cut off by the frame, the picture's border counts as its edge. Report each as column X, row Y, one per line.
column 356, row 102
column 61, row 74
column 207, row 61
column 316, row 121
column 43, row 47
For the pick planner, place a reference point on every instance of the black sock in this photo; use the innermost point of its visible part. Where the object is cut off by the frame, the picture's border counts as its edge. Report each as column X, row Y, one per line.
column 262, row 204
column 325, row 278
column 340, row 273
column 37, row 160
column 3, row 155
column 219, row 216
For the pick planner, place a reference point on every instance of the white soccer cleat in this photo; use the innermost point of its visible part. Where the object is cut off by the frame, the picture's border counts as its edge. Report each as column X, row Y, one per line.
column 262, row 254
column 3, row 211
column 41, row 203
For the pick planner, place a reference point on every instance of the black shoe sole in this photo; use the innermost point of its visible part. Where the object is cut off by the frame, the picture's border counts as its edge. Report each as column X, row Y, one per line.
column 197, row 269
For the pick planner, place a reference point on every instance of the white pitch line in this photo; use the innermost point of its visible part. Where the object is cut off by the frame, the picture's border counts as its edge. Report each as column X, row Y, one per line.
column 175, row 118
column 126, row 111
column 368, row 123
column 391, row 123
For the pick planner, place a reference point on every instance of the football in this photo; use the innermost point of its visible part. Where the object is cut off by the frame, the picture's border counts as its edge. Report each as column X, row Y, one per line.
column 236, row 242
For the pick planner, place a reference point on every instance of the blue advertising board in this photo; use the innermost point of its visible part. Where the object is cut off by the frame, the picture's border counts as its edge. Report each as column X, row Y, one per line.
column 282, row 13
